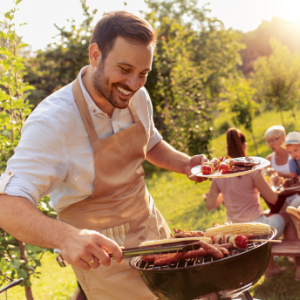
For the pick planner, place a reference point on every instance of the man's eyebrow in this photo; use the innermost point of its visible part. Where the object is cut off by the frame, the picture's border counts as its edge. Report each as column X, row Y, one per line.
column 131, row 66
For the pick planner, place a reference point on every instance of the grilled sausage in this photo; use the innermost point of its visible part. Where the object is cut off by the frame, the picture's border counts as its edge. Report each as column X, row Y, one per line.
column 214, row 251
column 224, row 251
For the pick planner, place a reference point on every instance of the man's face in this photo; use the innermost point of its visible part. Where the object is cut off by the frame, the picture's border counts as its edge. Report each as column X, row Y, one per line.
column 123, row 72
column 294, row 151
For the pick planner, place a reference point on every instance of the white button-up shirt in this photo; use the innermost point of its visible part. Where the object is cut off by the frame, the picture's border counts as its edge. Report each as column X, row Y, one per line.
column 55, row 155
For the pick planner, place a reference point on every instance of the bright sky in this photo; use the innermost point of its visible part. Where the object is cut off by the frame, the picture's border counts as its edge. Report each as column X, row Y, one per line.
column 40, row 15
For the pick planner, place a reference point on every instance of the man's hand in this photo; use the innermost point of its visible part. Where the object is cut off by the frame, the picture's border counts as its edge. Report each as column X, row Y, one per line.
column 195, row 161
column 86, row 249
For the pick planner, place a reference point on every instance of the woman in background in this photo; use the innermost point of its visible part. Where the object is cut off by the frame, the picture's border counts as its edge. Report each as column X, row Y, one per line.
column 279, row 158
column 241, row 197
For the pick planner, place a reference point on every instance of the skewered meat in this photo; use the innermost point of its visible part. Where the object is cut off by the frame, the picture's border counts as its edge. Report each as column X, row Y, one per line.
column 226, row 166
column 210, row 166
column 237, row 241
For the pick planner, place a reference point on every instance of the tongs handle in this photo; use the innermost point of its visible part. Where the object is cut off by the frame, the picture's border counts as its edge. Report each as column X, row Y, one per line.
column 142, row 250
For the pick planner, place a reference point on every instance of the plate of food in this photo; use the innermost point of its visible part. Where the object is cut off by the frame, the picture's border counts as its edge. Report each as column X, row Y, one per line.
column 291, row 184
column 225, row 167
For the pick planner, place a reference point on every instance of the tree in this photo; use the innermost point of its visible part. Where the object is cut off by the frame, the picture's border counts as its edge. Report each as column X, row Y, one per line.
column 238, row 99
column 277, row 78
column 16, row 258
column 60, row 63
column 194, row 54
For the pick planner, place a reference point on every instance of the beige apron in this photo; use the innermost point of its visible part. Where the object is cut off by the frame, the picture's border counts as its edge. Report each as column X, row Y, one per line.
column 120, row 207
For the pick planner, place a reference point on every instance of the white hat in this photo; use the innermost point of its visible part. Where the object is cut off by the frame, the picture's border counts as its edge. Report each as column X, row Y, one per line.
column 292, row 138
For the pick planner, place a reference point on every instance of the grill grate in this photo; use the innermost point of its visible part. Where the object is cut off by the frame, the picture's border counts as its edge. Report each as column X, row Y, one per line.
column 140, row 264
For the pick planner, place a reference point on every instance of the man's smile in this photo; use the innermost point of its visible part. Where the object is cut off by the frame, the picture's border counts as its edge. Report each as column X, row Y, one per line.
column 123, row 91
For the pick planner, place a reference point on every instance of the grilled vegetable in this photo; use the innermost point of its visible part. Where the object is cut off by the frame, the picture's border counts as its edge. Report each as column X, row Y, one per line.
column 239, row 228
column 210, row 166
column 176, row 240
column 226, row 166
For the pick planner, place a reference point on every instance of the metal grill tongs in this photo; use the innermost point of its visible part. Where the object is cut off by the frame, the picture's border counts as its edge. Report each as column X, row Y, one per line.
column 182, row 246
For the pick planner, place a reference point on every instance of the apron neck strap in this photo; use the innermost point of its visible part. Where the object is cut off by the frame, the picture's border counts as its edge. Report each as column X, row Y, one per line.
column 134, row 113
column 84, row 111
column 85, row 114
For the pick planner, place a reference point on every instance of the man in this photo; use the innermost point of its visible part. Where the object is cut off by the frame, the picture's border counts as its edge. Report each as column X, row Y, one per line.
column 84, row 146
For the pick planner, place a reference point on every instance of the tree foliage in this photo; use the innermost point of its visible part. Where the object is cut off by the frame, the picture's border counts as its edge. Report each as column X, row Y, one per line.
column 60, row 63
column 16, row 259
column 238, row 99
column 194, row 55
column 287, row 33
column 277, row 77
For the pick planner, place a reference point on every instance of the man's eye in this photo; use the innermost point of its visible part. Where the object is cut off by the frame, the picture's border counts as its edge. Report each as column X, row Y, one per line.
column 144, row 74
column 123, row 69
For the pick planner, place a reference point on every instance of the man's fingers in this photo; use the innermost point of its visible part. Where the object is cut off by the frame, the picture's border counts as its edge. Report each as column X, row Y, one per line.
column 197, row 160
column 94, row 263
column 113, row 248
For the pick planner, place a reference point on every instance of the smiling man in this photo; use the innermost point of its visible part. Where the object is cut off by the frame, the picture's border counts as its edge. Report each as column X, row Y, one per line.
column 84, row 146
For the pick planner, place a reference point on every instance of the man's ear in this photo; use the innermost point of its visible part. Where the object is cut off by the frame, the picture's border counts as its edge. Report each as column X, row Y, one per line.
column 94, row 54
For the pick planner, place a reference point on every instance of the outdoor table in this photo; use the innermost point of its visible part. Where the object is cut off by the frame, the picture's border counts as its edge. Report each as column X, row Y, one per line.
column 275, row 208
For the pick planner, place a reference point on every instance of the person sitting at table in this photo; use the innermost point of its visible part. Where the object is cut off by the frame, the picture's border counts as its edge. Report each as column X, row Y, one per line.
column 292, row 142
column 241, row 197
column 279, row 158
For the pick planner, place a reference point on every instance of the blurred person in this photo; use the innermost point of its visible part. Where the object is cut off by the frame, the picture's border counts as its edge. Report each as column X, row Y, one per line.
column 279, row 158
column 292, row 142
column 241, row 197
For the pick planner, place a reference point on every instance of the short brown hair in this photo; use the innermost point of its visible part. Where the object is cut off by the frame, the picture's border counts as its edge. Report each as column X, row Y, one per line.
column 125, row 25
column 235, row 143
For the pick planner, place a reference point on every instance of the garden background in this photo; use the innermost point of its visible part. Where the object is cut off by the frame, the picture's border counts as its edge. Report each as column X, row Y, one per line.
column 205, row 79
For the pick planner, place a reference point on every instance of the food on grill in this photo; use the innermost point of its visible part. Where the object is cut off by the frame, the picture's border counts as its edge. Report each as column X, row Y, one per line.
column 210, row 166
column 237, row 241
column 239, row 228
column 167, row 258
column 175, row 240
column 179, row 233
column 214, row 251
column 226, row 165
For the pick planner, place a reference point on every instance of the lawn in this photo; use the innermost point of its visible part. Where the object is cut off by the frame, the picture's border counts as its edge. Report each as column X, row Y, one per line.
column 181, row 201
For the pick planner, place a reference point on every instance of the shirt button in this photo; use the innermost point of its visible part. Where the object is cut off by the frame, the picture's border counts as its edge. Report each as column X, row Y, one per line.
column 9, row 173
column 94, row 111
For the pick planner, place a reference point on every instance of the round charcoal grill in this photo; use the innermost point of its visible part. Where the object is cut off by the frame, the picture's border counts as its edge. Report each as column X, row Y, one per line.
column 189, row 279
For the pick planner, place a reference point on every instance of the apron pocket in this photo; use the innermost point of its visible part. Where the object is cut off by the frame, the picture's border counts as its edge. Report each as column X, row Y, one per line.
column 118, row 235
column 115, row 268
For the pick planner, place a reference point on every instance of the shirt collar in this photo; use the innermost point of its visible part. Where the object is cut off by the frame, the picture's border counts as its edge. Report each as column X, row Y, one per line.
column 90, row 102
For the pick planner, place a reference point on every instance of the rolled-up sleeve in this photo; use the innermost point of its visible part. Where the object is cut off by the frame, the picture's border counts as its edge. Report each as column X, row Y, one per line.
column 155, row 137
column 39, row 163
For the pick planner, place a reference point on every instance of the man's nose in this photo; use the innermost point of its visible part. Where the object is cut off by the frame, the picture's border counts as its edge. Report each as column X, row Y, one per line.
column 133, row 82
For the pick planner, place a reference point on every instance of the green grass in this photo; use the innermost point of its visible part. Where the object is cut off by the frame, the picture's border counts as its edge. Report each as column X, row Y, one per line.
column 55, row 283
column 260, row 125
column 182, row 204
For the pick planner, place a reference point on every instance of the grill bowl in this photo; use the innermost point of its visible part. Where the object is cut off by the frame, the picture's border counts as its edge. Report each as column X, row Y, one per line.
column 190, row 282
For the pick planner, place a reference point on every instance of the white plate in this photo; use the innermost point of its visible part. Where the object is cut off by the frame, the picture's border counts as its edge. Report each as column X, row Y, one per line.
column 263, row 164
